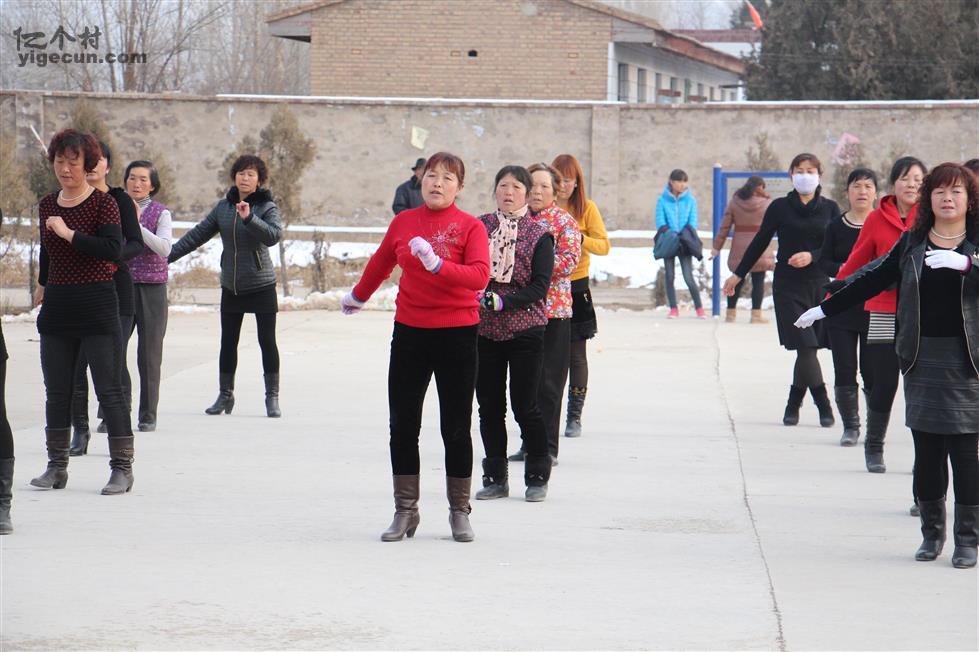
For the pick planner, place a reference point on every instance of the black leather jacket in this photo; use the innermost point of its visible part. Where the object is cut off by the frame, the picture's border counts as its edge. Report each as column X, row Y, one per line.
column 902, row 266
column 245, row 262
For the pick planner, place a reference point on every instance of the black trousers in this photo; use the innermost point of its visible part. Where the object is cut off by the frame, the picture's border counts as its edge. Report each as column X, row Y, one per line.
column 6, row 435
column 416, row 355
column 845, row 345
column 231, row 333
column 151, row 327
column 522, row 356
column 579, row 363
column 757, row 292
column 59, row 359
column 932, row 452
column 885, row 371
column 79, row 406
column 554, row 377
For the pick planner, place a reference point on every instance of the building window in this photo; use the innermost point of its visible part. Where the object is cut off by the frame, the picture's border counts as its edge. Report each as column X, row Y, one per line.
column 674, row 89
column 700, row 93
column 641, row 85
column 687, row 89
column 623, row 82
column 711, row 93
column 657, row 96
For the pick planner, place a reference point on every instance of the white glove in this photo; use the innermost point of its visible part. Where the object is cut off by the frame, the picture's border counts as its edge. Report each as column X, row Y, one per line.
column 350, row 304
column 421, row 249
column 946, row 258
column 810, row 317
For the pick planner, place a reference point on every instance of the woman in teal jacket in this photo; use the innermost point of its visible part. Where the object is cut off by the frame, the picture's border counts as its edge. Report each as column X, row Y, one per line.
column 676, row 209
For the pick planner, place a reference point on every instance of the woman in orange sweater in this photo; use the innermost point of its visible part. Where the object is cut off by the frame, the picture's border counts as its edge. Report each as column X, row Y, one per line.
column 594, row 240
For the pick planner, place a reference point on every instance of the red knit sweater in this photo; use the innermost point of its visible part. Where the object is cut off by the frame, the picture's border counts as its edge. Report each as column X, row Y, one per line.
column 882, row 228
column 447, row 299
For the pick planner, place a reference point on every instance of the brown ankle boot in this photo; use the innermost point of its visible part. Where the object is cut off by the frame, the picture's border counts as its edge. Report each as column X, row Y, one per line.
column 56, row 475
column 756, row 317
column 731, row 315
column 405, row 509
column 457, row 490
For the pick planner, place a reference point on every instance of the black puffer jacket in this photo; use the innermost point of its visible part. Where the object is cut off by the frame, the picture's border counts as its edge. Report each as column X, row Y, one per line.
column 245, row 262
column 902, row 265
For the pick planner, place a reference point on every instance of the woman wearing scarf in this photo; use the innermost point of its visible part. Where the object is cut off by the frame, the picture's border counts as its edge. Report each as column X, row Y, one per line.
column 513, row 318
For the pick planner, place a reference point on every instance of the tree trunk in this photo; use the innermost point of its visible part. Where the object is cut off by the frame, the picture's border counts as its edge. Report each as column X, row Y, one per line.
column 283, row 266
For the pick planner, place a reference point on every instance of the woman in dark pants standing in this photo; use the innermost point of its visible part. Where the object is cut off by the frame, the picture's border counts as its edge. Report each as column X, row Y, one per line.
column 571, row 197
column 894, row 215
column 6, row 443
column 513, row 317
column 443, row 254
column 132, row 246
column 248, row 221
column 80, row 239
column 936, row 268
column 799, row 219
column 848, row 332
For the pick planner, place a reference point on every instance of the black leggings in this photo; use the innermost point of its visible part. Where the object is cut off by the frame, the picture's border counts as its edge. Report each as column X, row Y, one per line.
column 231, row 331
column 931, row 455
column 807, row 372
column 579, row 364
column 881, row 361
column 846, row 361
column 6, row 436
column 757, row 292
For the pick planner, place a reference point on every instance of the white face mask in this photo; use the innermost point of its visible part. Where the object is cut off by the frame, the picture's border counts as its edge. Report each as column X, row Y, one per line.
column 805, row 184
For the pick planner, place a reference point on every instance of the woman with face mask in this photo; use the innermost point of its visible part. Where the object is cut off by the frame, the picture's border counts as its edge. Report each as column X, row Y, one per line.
column 895, row 215
column 512, row 321
column 799, row 219
column 848, row 332
column 248, row 221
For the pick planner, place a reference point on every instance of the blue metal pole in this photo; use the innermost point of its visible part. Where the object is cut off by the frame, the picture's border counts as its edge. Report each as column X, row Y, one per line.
column 719, row 193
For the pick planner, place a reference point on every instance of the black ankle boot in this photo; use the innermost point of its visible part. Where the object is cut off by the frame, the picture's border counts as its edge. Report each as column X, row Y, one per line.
column 932, row 529
column 226, row 397
column 792, row 406
column 965, row 534
column 80, row 437
column 873, row 445
column 121, row 462
column 6, row 494
column 495, row 479
column 537, row 473
column 56, row 475
column 272, row 395
column 821, row 398
column 576, row 402
column 848, row 405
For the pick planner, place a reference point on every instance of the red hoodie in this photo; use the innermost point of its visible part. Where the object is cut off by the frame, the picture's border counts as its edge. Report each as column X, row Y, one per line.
column 448, row 298
column 880, row 231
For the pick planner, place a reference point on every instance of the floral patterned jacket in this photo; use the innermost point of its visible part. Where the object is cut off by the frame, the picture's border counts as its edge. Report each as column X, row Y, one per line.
column 567, row 252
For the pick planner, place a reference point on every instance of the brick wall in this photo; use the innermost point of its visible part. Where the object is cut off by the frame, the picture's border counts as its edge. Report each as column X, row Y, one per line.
column 415, row 51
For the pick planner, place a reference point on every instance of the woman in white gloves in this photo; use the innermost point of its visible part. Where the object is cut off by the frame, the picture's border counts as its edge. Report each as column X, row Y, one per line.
column 444, row 258
column 936, row 268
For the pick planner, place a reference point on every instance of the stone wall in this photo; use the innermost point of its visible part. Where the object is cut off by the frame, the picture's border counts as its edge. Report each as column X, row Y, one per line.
column 364, row 147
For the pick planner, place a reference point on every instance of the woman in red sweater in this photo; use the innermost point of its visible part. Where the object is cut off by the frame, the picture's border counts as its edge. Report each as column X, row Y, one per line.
column 444, row 258
column 894, row 215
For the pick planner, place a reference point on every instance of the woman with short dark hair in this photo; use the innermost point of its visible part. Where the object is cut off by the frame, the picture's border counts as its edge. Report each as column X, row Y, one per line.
column 443, row 254
column 513, row 318
column 935, row 266
column 895, row 214
column 248, row 221
column 676, row 209
column 81, row 239
column 150, row 275
column 799, row 220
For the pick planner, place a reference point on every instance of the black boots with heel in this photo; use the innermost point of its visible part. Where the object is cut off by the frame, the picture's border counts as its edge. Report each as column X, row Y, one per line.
column 796, row 394
column 405, row 509
column 226, row 397
column 56, row 475
column 873, row 445
column 121, row 462
column 272, row 396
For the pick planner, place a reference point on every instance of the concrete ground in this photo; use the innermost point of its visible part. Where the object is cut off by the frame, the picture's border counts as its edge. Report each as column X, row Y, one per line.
column 686, row 516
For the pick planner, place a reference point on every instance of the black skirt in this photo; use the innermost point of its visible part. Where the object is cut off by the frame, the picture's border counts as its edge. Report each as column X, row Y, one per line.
column 584, row 323
column 941, row 392
column 792, row 298
column 261, row 301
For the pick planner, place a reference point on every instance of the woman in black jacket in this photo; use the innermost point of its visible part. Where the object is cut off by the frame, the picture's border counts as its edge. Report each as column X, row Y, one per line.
column 248, row 221
column 936, row 268
column 799, row 219
column 848, row 332
column 132, row 246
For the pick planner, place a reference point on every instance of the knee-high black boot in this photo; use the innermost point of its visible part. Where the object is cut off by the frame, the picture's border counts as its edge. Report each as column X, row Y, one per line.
column 965, row 533
column 848, row 405
column 873, row 444
column 272, row 395
column 932, row 529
